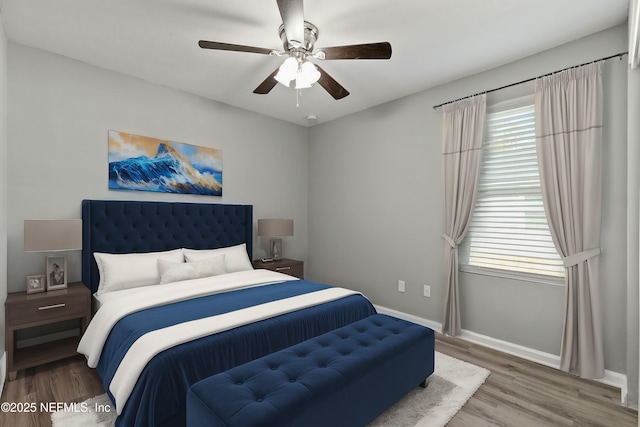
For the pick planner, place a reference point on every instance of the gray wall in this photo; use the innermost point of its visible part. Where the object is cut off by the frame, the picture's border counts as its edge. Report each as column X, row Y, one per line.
column 3, row 179
column 633, row 232
column 59, row 112
column 375, row 216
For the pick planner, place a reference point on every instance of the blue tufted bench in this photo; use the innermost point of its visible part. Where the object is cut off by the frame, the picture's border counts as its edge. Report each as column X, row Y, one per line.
column 345, row 377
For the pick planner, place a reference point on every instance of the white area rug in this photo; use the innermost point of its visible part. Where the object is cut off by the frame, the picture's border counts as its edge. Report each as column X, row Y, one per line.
column 451, row 385
column 448, row 389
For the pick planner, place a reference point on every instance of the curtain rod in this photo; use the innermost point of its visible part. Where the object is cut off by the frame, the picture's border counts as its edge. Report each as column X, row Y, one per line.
column 617, row 55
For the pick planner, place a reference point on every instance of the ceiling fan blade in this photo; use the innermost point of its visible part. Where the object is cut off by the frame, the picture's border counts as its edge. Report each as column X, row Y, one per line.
column 358, row 51
column 233, row 47
column 268, row 84
column 292, row 15
column 329, row 84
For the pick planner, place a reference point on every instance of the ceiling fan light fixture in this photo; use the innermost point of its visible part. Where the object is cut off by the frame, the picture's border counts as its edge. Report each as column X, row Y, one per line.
column 310, row 72
column 301, row 82
column 287, row 71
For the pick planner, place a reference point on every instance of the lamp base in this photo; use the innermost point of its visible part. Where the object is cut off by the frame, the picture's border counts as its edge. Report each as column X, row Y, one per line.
column 275, row 248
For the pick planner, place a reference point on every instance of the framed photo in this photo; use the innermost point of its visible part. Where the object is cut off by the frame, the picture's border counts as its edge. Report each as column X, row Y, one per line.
column 36, row 284
column 56, row 272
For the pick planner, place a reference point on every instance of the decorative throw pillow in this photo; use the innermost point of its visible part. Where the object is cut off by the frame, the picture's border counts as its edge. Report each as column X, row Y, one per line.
column 236, row 258
column 177, row 271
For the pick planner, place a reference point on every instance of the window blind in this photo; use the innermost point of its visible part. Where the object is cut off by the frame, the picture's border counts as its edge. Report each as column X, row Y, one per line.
column 509, row 232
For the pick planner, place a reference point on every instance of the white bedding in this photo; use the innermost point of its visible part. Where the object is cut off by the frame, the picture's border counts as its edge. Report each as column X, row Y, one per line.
column 122, row 303
column 115, row 305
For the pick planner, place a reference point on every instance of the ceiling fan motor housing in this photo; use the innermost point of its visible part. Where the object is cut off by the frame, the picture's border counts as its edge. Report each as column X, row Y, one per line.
column 310, row 37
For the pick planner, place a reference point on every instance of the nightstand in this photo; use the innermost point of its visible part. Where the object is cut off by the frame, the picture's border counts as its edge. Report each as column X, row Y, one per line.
column 291, row 267
column 25, row 311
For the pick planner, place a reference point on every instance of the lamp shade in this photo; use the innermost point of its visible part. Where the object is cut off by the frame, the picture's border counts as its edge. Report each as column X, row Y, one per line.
column 52, row 235
column 310, row 72
column 287, row 71
column 275, row 227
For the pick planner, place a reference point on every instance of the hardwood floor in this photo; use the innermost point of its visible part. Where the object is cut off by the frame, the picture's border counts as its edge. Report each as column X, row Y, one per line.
column 68, row 380
column 525, row 394
column 518, row 393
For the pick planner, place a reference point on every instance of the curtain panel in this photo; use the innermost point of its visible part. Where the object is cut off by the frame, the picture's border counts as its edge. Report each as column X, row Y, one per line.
column 569, row 146
column 462, row 130
column 634, row 33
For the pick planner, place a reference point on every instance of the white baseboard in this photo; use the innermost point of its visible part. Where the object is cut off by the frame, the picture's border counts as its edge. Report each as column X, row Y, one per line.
column 614, row 379
column 410, row 317
column 3, row 371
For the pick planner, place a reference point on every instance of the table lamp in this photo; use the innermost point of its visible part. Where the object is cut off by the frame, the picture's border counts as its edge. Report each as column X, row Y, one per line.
column 53, row 235
column 275, row 228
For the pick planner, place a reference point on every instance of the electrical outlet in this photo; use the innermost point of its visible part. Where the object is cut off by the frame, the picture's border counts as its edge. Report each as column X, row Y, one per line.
column 400, row 285
column 427, row 291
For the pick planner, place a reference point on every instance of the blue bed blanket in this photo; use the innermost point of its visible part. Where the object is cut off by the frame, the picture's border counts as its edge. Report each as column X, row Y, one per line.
column 159, row 396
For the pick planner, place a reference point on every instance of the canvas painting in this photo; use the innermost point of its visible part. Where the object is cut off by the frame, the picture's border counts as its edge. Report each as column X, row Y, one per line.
column 150, row 164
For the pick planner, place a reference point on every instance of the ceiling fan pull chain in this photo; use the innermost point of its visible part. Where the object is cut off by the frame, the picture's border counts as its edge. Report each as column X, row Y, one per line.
column 298, row 98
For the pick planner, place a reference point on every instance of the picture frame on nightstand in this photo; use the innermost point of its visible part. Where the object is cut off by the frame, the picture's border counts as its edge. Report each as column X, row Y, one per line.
column 56, row 272
column 36, row 283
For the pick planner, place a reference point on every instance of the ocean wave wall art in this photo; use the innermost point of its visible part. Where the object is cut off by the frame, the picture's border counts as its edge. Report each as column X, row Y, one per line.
column 150, row 164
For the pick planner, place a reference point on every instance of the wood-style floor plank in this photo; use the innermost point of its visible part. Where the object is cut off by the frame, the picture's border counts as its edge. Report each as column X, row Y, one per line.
column 68, row 380
column 518, row 393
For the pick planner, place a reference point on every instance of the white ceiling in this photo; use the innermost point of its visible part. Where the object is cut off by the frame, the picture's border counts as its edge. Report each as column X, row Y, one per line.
column 433, row 41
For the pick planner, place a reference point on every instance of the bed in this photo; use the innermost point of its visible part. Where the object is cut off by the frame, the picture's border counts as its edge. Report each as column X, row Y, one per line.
column 216, row 322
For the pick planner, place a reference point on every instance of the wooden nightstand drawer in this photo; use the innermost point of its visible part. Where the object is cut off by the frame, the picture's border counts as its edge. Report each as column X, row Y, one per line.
column 46, row 309
column 291, row 270
column 291, row 267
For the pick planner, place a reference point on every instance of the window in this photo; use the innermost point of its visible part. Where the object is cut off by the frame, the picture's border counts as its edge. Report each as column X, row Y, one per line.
column 509, row 235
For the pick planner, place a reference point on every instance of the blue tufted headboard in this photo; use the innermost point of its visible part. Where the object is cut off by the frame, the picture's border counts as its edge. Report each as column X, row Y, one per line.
column 115, row 226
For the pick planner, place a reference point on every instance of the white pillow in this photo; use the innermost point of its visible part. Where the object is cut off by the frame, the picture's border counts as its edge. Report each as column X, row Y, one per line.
column 125, row 271
column 236, row 258
column 177, row 271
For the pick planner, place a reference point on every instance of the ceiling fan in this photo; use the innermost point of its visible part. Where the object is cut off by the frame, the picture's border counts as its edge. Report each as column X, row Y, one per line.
column 298, row 38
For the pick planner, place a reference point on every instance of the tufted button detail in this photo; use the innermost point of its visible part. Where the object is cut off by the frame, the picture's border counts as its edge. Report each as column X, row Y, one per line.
column 331, row 353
